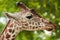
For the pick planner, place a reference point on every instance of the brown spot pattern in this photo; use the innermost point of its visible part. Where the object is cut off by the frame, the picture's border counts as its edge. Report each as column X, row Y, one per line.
column 13, row 36
column 11, row 31
column 7, row 36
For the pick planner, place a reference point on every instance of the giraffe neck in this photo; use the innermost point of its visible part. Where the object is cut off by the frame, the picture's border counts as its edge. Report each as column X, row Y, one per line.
column 10, row 31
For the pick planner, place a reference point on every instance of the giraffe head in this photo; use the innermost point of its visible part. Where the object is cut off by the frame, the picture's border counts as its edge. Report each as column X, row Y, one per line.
column 28, row 19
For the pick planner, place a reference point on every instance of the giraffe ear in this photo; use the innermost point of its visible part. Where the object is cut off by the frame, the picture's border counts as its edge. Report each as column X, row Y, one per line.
column 13, row 16
column 9, row 15
column 22, row 6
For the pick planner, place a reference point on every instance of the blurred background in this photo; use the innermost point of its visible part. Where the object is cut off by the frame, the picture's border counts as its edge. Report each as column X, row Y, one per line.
column 49, row 9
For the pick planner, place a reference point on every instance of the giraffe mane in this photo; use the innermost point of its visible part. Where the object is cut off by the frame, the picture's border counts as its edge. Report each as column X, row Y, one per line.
column 5, row 27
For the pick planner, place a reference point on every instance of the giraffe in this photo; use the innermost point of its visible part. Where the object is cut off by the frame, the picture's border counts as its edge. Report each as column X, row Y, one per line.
column 26, row 19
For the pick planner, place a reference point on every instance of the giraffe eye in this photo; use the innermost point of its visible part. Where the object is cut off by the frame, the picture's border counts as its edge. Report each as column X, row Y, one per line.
column 29, row 17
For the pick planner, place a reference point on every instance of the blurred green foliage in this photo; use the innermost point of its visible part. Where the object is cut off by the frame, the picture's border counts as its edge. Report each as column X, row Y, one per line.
column 49, row 9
